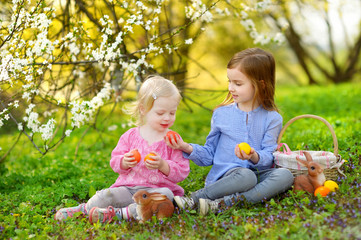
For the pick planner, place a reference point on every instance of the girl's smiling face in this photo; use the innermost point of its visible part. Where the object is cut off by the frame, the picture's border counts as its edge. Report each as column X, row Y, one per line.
column 242, row 90
column 162, row 115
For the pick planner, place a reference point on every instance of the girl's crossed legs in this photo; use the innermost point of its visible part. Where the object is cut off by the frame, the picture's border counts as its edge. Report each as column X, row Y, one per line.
column 234, row 181
column 239, row 183
column 110, row 202
column 270, row 182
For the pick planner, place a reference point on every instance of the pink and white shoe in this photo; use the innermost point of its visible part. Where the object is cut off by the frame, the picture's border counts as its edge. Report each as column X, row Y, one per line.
column 64, row 213
column 103, row 215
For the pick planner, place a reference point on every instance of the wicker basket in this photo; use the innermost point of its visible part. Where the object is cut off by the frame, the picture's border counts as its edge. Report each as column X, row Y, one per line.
column 287, row 158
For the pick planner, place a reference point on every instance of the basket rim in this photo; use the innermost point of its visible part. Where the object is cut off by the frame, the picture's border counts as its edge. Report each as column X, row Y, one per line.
column 335, row 142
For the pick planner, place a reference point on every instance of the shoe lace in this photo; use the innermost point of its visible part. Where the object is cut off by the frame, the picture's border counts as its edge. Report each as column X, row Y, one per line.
column 189, row 201
column 213, row 205
column 108, row 214
column 71, row 211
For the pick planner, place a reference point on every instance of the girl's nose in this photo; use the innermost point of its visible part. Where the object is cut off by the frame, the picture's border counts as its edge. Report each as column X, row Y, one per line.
column 166, row 117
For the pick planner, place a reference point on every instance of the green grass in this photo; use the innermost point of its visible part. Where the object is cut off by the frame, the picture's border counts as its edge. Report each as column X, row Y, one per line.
column 32, row 187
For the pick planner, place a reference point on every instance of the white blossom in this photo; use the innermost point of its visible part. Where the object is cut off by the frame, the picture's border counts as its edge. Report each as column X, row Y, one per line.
column 29, row 78
column 33, row 122
column 279, row 38
column 26, row 96
column 248, row 24
column 16, row 103
column 189, row 41
column 198, row 10
column 83, row 111
column 244, row 14
column 112, row 128
column 263, row 5
column 207, row 17
column 262, row 39
column 103, row 21
column 68, row 132
column 46, row 130
column 74, row 49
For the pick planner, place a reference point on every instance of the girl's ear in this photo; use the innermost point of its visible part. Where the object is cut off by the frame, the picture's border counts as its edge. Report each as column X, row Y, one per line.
column 142, row 110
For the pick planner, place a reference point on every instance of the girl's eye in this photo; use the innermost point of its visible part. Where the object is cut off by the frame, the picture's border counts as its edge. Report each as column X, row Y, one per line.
column 235, row 83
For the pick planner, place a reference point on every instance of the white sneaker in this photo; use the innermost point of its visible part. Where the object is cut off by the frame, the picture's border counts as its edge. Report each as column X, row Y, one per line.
column 207, row 205
column 184, row 202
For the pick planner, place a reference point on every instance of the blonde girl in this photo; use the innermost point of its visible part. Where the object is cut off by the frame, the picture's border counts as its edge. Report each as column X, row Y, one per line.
column 155, row 112
column 248, row 114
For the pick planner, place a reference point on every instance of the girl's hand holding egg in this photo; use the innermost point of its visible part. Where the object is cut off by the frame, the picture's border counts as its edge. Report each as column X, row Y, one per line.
column 245, row 147
column 153, row 161
column 136, row 155
column 174, row 141
column 244, row 151
column 149, row 157
column 131, row 159
column 172, row 136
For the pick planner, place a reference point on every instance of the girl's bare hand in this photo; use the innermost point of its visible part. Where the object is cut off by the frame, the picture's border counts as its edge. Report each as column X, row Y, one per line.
column 154, row 162
column 242, row 155
column 178, row 143
column 129, row 161
column 173, row 141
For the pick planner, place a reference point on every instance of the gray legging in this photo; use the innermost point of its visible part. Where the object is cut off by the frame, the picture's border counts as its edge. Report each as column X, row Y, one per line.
column 243, row 182
column 120, row 197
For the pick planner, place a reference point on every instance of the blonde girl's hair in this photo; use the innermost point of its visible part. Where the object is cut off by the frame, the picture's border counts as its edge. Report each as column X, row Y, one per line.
column 257, row 65
column 152, row 88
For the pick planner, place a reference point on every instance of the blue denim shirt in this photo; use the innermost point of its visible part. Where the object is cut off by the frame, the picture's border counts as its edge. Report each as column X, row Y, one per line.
column 230, row 127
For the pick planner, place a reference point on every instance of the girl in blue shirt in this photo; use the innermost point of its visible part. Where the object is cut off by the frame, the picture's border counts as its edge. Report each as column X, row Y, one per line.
column 248, row 114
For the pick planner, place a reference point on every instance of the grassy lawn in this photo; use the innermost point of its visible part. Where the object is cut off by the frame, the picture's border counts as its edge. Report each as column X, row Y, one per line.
column 32, row 188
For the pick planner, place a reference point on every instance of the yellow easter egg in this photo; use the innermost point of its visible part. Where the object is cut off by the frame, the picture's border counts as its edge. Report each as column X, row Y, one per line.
column 331, row 185
column 245, row 147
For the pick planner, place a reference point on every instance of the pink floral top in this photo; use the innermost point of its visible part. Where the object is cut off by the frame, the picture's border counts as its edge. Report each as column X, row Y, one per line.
column 142, row 176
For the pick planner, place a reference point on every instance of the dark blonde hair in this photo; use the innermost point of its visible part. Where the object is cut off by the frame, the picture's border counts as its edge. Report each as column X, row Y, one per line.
column 257, row 65
column 152, row 88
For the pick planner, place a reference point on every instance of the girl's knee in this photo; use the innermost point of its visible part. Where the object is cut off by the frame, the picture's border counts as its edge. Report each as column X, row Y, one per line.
column 284, row 173
column 98, row 200
column 246, row 175
column 284, row 176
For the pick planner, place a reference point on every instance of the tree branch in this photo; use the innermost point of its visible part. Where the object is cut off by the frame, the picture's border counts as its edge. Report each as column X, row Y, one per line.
column 83, row 8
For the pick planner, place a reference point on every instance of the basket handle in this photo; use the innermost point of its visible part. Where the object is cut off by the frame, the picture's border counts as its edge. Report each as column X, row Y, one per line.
column 335, row 143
